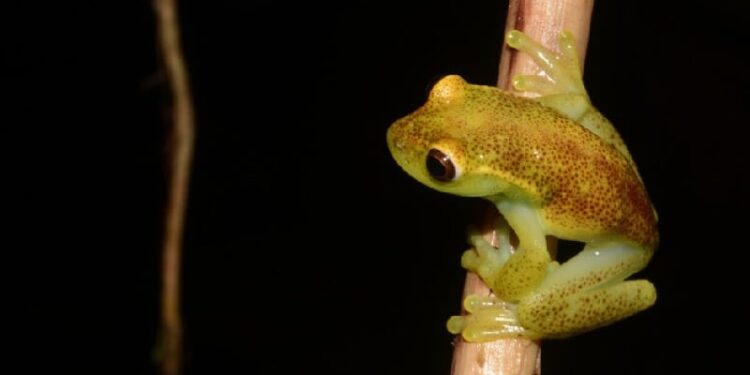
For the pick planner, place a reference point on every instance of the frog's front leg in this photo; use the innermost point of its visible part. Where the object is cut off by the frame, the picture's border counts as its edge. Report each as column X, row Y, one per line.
column 588, row 291
column 488, row 318
column 529, row 264
column 511, row 276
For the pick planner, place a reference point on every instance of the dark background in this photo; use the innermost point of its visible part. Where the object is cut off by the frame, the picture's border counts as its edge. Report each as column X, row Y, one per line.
column 307, row 248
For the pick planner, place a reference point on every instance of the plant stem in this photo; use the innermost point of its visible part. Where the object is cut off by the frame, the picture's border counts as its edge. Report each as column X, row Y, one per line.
column 542, row 20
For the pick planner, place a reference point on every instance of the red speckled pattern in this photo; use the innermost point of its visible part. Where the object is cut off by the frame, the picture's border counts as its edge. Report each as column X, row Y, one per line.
column 584, row 187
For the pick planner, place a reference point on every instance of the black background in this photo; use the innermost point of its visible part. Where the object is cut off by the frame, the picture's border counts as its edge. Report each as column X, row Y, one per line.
column 307, row 249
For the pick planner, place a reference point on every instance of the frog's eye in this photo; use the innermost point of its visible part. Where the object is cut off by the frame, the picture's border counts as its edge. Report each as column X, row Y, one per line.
column 440, row 166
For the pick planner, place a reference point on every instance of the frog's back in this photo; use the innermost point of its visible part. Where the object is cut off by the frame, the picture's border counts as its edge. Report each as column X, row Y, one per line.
column 584, row 187
column 587, row 189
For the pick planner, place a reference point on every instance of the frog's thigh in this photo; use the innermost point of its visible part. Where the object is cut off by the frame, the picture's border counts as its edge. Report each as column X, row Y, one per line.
column 588, row 291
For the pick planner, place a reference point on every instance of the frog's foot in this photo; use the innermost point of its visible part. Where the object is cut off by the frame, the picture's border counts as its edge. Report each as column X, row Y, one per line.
column 483, row 258
column 561, row 86
column 588, row 291
column 489, row 319
column 562, row 71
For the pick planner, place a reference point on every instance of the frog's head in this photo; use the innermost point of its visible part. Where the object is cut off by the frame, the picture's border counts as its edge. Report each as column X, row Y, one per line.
column 439, row 144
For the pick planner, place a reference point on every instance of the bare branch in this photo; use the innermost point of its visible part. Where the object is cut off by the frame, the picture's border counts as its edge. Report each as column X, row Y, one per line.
column 179, row 161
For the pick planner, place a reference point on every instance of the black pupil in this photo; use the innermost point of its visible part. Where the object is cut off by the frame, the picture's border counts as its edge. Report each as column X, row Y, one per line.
column 439, row 166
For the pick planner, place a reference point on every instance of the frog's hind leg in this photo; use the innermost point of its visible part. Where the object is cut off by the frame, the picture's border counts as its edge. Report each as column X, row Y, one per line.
column 488, row 318
column 561, row 88
column 588, row 291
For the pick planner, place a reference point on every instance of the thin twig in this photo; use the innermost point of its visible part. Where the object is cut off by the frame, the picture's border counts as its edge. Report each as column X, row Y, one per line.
column 180, row 159
column 542, row 20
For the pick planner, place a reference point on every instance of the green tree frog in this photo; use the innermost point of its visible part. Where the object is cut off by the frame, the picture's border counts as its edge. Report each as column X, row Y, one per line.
column 553, row 166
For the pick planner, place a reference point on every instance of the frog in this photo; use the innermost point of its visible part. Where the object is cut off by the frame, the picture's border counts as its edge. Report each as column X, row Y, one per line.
column 553, row 166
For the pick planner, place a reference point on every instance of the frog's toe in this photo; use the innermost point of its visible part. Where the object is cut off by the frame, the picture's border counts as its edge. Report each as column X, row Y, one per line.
column 456, row 324
column 536, row 84
column 514, row 38
column 475, row 303
column 484, row 266
column 562, row 68
column 567, row 46
column 541, row 55
column 483, row 258
column 489, row 319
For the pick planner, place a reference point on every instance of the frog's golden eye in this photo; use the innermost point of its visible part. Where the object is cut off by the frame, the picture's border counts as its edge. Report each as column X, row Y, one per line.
column 440, row 166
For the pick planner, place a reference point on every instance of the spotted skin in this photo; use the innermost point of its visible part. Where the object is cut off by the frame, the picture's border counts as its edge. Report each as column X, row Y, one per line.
column 552, row 169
